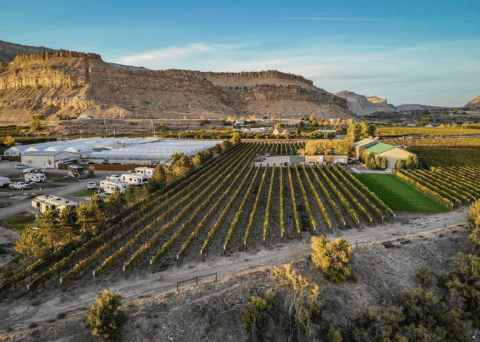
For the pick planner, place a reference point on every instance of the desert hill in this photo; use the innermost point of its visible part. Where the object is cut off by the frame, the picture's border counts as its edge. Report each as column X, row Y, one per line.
column 362, row 105
column 70, row 83
column 8, row 51
column 474, row 103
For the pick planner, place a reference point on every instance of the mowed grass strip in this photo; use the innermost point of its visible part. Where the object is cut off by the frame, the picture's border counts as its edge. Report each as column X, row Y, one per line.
column 399, row 195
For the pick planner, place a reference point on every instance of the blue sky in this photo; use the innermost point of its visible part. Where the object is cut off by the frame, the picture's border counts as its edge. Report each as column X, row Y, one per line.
column 406, row 51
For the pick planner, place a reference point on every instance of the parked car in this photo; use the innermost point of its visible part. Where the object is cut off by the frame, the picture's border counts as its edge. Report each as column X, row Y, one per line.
column 20, row 166
column 19, row 186
column 267, row 154
column 91, row 185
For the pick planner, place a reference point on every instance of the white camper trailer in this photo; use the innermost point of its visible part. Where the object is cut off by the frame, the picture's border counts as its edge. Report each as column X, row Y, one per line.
column 146, row 171
column 134, row 179
column 46, row 202
column 109, row 186
column 35, row 177
column 4, row 181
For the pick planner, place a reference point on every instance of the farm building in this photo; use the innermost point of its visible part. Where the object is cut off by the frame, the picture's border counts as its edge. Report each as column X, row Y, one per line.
column 143, row 151
column 285, row 131
column 392, row 153
column 45, row 159
column 359, row 144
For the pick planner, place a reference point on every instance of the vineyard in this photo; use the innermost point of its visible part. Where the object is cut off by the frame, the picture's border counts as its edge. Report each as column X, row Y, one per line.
column 222, row 208
column 450, row 186
column 427, row 131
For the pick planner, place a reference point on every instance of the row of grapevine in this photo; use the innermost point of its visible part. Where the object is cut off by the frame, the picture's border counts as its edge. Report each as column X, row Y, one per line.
column 358, row 193
column 441, row 186
column 210, row 213
column 282, row 212
column 352, row 198
column 460, row 180
column 320, row 205
column 248, row 231
column 325, row 192
column 149, row 222
column 451, row 187
column 351, row 212
column 163, row 230
column 426, row 184
column 432, row 193
column 307, row 204
column 224, row 213
column 239, row 212
column 371, row 195
column 266, row 221
column 294, row 202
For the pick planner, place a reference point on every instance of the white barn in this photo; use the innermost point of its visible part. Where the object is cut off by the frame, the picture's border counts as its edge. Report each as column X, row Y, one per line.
column 45, row 159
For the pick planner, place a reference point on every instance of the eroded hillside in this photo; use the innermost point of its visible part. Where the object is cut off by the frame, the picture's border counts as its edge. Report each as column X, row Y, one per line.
column 73, row 83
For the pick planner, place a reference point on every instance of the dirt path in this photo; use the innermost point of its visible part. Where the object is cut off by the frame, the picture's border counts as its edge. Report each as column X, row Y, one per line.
column 19, row 314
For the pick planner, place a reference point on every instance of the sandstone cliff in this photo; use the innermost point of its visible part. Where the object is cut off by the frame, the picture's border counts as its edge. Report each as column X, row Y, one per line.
column 8, row 51
column 73, row 83
column 475, row 103
column 362, row 105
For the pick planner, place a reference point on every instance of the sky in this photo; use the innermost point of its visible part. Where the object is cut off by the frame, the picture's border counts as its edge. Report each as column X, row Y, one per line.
column 420, row 51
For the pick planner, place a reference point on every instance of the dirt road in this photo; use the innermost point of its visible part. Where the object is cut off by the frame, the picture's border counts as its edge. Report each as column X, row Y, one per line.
column 19, row 314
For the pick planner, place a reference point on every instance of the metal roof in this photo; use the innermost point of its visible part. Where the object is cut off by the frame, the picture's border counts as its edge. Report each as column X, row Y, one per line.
column 379, row 148
column 44, row 153
column 363, row 142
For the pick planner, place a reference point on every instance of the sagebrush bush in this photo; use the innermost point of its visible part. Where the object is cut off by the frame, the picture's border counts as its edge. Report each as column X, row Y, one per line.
column 422, row 278
column 105, row 317
column 256, row 318
column 333, row 257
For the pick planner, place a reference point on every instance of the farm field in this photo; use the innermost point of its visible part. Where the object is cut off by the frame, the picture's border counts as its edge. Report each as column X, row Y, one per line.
column 224, row 207
column 428, row 131
column 398, row 195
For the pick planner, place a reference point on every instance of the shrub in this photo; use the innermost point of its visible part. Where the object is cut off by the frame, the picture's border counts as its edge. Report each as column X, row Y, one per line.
column 400, row 164
column 333, row 257
column 105, row 318
column 302, row 302
column 474, row 215
column 422, row 278
column 334, row 335
column 256, row 318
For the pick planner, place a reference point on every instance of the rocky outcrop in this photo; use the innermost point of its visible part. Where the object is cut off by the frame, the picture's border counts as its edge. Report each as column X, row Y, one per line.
column 72, row 83
column 362, row 105
column 8, row 51
column 475, row 103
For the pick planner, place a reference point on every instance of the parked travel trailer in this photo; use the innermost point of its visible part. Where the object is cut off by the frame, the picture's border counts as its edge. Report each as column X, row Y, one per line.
column 146, row 171
column 4, row 181
column 46, row 202
column 30, row 170
column 77, row 171
column 134, row 179
column 35, row 177
column 110, row 186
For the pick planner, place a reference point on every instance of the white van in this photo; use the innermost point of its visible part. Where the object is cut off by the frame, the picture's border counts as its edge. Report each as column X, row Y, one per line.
column 146, row 171
column 134, row 179
column 110, row 186
column 35, row 177
column 4, row 181
column 30, row 170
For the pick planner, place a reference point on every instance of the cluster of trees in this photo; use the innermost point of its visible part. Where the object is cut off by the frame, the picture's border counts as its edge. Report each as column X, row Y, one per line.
column 57, row 229
column 373, row 162
column 411, row 163
column 322, row 147
column 358, row 131
column 36, row 123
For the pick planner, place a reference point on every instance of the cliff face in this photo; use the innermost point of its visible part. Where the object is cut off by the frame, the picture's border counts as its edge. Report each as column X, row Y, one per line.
column 8, row 51
column 474, row 103
column 73, row 83
column 362, row 105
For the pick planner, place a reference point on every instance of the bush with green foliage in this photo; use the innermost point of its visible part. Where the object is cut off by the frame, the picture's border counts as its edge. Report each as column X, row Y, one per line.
column 400, row 164
column 158, row 181
column 333, row 257
column 257, row 316
column 105, row 317
column 422, row 278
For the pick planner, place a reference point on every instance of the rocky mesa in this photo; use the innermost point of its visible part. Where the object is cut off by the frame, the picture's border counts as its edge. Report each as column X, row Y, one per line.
column 58, row 83
column 475, row 103
column 362, row 105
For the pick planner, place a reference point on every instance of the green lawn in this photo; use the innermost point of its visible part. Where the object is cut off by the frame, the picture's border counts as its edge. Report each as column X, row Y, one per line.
column 85, row 193
column 19, row 222
column 399, row 195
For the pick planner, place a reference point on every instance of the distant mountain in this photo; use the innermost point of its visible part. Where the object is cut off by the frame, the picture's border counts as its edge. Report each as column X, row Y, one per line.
column 474, row 103
column 8, row 51
column 361, row 105
column 415, row 107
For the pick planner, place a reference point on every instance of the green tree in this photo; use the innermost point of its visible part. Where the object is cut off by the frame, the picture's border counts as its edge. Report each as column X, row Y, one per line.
column 32, row 244
column 381, row 162
column 370, row 161
column 115, row 203
column 422, row 278
column 68, row 221
column 235, row 138
column 105, row 318
column 90, row 215
column 257, row 316
column 9, row 141
column 367, row 130
column 52, row 231
column 400, row 164
column 130, row 194
column 333, row 258
column 158, row 180
column 412, row 162
column 353, row 133
column 183, row 165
